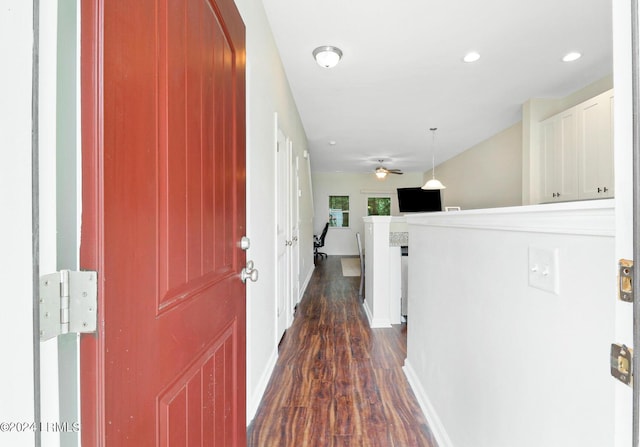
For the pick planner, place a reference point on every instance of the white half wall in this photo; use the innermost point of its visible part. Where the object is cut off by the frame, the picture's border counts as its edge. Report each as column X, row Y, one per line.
column 496, row 362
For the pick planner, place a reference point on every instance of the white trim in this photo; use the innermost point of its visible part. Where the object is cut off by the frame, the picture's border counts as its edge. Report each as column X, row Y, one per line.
column 435, row 424
column 254, row 402
column 592, row 217
column 305, row 284
column 375, row 322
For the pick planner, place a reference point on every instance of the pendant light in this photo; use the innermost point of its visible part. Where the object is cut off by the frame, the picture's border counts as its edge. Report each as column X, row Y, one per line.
column 433, row 183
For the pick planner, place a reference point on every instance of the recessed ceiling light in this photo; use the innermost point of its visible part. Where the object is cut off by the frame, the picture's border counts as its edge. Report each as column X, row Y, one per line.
column 570, row 57
column 471, row 56
column 332, row 143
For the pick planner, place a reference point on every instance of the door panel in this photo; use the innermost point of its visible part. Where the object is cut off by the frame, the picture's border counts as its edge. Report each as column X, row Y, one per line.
column 164, row 209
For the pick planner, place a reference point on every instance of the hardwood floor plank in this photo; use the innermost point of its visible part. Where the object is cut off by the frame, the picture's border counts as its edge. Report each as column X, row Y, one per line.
column 338, row 382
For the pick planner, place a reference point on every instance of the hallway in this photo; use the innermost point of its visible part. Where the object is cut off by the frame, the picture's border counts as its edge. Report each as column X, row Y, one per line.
column 337, row 382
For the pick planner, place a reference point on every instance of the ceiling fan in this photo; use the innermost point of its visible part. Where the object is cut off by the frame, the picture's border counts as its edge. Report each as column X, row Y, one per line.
column 381, row 171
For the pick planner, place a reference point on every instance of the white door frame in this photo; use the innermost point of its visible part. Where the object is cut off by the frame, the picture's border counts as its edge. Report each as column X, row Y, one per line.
column 635, row 68
column 294, row 225
column 283, row 236
column 18, row 234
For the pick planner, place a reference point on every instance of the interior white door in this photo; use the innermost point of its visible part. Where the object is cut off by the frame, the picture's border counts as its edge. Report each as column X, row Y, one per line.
column 283, row 291
column 294, row 214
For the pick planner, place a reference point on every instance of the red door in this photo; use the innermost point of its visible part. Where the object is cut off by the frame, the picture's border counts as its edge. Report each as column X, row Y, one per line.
column 163, row 212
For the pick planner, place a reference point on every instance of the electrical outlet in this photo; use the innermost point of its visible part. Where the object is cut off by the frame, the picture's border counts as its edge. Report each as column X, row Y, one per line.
column 543, row 269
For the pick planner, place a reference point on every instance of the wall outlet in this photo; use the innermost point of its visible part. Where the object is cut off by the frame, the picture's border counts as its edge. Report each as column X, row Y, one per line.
column 543, row 269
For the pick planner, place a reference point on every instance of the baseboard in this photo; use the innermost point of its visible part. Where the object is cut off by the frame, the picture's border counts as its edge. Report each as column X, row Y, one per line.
column 374, row 322
column 306, row 282
column 435, row 424
column 261, row 387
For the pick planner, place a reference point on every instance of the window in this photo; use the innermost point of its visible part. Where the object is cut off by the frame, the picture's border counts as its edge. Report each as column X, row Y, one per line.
column 338, row 211
column 379, row 206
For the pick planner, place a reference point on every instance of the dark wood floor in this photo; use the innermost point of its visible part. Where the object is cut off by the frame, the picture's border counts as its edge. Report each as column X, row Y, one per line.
column 337, row 382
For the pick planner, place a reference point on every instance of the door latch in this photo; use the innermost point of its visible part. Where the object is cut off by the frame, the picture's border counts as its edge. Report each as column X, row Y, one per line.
column 621, row 363
column 625, row 280
column 68, row 303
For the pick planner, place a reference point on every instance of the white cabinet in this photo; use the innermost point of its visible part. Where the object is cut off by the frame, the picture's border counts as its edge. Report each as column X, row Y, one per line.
column 559, row 150
column 596, row 147
column 576, row 152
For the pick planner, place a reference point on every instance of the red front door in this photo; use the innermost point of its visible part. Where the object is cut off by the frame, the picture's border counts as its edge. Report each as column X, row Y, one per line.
column 163, row 212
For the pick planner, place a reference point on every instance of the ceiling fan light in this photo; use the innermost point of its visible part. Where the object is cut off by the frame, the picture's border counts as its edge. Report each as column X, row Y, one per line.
column 381, row 173
column 327, row 56
column 433, row 184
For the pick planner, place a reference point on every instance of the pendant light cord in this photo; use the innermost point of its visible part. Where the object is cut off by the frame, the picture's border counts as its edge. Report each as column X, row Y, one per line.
column 433, row 152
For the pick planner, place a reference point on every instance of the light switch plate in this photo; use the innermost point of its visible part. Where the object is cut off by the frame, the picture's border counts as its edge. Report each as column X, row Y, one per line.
column 543, row 269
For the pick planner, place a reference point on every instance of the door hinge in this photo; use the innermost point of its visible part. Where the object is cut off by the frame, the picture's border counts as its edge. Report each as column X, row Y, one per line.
column 68, row 303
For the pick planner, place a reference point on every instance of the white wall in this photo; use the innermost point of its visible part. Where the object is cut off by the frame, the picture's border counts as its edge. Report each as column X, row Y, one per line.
column 268, row 93
column 487, row 175
column 495, row 362
column 16, row 271
column 342, row 241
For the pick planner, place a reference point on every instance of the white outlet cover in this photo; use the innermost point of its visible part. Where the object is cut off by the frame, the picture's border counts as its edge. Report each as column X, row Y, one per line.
column 543, row 269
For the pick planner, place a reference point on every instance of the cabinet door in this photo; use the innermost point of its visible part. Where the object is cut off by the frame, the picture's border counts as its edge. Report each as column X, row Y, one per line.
column 595, row 147
column 559, row 181
column 549, row 161
column 567, row 170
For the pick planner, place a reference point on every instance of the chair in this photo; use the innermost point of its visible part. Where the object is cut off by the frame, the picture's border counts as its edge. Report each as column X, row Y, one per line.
column 361, row 255
column 318, row 242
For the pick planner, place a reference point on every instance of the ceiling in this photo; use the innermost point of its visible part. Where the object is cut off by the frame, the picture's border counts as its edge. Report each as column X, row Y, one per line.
column 402, row 71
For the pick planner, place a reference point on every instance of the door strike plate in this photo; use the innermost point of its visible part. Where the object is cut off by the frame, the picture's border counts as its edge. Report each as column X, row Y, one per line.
column 625, row 280
column 621, row 363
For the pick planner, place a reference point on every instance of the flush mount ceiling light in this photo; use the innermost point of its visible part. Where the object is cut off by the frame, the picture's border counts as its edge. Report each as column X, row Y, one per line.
column 327, row 56
column 472, row 56
column 570, row 57
column 433, row 183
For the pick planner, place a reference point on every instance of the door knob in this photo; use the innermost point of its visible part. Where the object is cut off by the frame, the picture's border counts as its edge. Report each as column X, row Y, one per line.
column 249, row 272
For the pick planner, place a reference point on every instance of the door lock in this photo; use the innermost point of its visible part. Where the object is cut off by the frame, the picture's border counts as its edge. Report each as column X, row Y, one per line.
column 245, row 243
column 249, row 272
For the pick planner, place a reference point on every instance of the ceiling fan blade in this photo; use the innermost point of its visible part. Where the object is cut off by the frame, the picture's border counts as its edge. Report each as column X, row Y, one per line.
column 394, row 171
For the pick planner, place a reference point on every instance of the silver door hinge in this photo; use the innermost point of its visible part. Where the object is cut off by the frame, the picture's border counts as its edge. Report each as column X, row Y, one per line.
column 68, row 303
